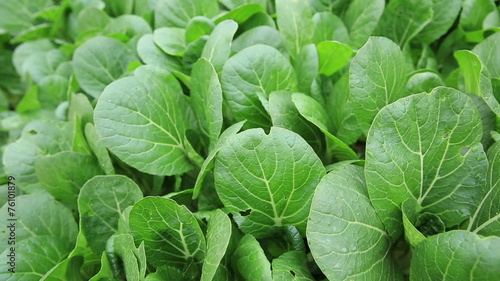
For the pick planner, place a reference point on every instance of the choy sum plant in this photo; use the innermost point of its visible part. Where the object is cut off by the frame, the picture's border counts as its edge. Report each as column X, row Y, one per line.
column 249, row 140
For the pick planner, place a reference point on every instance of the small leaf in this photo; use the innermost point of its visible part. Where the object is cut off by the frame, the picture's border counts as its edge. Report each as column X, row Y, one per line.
column 218, row 47
column 295, row 24
column 333, row 56
column 361, row 18
column 171, row 40
column 250, row 261
column 218, row 236
column 291, row 266
column 177, row 13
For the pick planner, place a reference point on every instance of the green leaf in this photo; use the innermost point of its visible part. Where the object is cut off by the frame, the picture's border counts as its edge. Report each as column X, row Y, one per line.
column 443, row 167
column 377, row 77
column 208, row 164
column 295, row 24
column 63, row 174
column 153, row 55
column 424, row 81
column 34, row 257
column 307, row 68
column 206, row 98
column 38, row 139
column 461, row 253
column 198, row 27
column 100, row 61
column 105, row 273
column 333, row 56
column 170, row 232
column 218, row 236
column 16, row 16
column 101, row 203
column 487, row 53
column 255, row 70
column 53, row 90
column 177, row 13
column 486, row 219
column 411, row 209
column 134, row 259
column 361, row 19
column 250, row 171
column 474, row 12
column 171, row 40
column 218, row 47
column 402, row 20
column 346, row 237
column 24, row 52
column 291, row 266
column 233, row 4
column 285, row 115
column 166, row 273
column 30, row 101
column 142, row 120
column 38, row 215
column 92, row 19
column 328, row 26
column 115, row 8
column 129, row 25
column 315, row 113
column 264, row 35
column 99, row 149
column 250, row 261
column 443, row 16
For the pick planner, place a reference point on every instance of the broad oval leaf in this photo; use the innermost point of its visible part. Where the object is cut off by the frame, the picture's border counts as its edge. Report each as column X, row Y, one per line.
column 101, row 203
column 295, row 24
column 486, row 220
column 361, row 18
column 426, row 147
column 377, row 77
column 100, row 61
column 256, row 70
column 142, row 120
column 177, row 13
column 267, row 181
column 347, row 239
column 333, row 56
column 455, row 255
column 153, row 55
column 444, row 14
column 171, row 40
column 171, row 234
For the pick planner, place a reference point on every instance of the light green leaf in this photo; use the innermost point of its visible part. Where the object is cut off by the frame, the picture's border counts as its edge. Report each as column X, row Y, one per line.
column 487, row 53
column 166, row 273
column 142, row 120
column 455, row 255
column 206, row 98
column 63, row 174
column 264, row 35
column 26, row 50
column 333, row 56
column 130, row 25
column 257, row 69
column 328, row 26
column 315, row 113
column 53, row 90
column 424, row 81
column 101, row 203
column 307, row 68
column 153, row 55
column 241, row 14
column 34, row 257
column 486, row 219
column 426, row 147
column 361, row 19
column 443, row 16
column 99, row 149
column 100, row 61
column 218, row 47
column 218, row 236
column 198, row 27
column 177, row 13
column 411, row 209
column 134, row 259
column 285, row 115
column 38, row 139
column 208, row 164
column 404, row 19
column 92, row 19
column 105, row 273
column 171, row 40
column 40, row 64
column 233, row 4
column 377, row 77
column 291, row 266
column 18, row 15
column 347, row 239
column 250, row 261
column 295, row 24
column 170, row 232
column 250, row 171
column 38, row 215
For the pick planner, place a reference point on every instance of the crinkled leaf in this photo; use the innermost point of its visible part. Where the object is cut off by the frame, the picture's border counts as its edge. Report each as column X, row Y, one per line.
column 255, row 70
column 266, row 181
column 170, row 232
column 454, row 255
column 100, row 61
column 426, row 147
column 142, row 120
column 101, row 203
column 346, row 237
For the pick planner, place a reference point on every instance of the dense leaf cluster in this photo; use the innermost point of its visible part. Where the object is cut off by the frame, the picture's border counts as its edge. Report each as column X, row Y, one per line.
column 251, row 139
